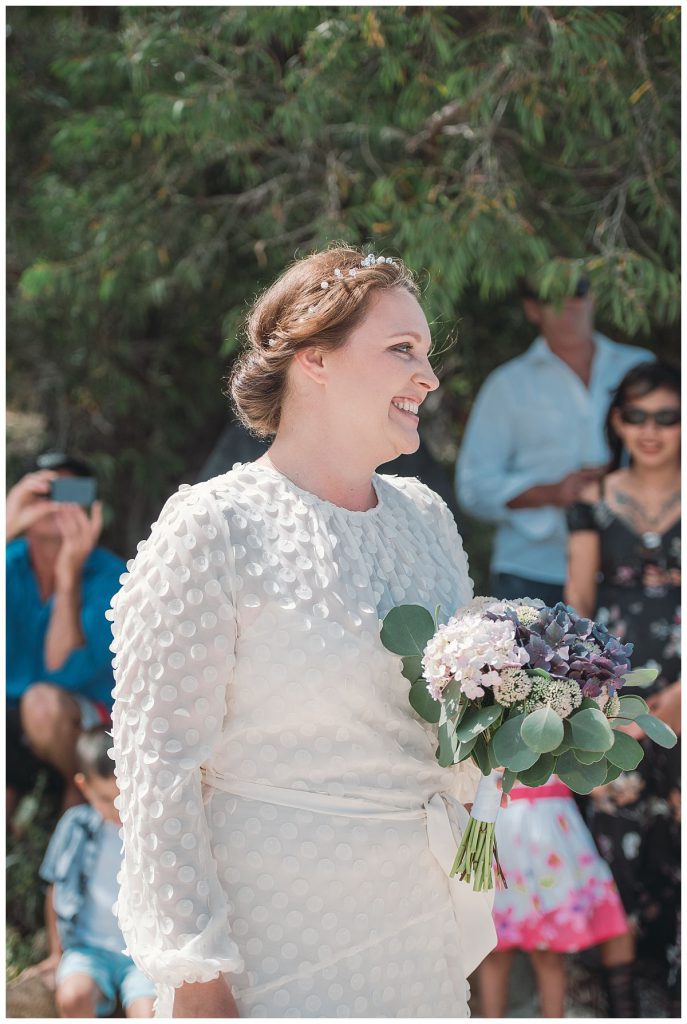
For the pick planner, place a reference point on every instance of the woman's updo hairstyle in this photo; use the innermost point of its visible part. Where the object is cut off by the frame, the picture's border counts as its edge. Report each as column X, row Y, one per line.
column 319, row 300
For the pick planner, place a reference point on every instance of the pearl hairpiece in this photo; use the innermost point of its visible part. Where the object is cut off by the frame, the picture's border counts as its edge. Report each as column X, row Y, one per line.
column 370, row 261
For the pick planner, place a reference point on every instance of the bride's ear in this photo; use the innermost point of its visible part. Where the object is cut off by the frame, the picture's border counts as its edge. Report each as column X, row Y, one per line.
column 311, row 361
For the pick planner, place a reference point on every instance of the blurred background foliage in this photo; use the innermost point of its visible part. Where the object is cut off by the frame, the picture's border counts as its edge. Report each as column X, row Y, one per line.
column 165, row 163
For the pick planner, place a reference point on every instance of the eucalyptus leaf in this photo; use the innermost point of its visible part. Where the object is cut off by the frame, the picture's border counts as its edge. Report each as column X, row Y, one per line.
column 657, row 730
column 540, row 772
column 590, row 730
column 509, row 780
column 640, row 677
column 542, row 730
column 475, row 722
column 581, row 778
column 612, row 773
column 588, row 702
column 412, row 667
column 632, row 705
column 510, row 749
column 626, row 752
column 447, row 744
column 480, row 755
column 423, row 702
column 588, row 756
column 407, row 629
column 464, row 750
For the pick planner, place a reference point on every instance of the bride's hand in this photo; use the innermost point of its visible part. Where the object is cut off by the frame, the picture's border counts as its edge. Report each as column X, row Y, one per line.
column 204, row 999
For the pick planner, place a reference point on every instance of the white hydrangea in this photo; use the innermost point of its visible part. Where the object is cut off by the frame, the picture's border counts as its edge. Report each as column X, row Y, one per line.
column 514, row 685
column 476, row 605
column 470, row 649
column 561, row 695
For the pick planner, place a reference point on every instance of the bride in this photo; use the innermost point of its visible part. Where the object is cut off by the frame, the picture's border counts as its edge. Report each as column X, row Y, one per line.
column 287, row 829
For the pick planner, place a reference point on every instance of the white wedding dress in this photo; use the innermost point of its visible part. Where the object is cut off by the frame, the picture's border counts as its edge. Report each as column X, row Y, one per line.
column 284, row 818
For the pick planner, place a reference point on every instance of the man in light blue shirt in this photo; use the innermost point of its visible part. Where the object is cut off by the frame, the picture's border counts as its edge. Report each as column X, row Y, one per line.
column 535, row 437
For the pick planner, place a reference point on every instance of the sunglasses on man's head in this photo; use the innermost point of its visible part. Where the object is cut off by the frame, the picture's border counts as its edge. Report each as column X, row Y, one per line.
column 638, row 417
column 583, row 288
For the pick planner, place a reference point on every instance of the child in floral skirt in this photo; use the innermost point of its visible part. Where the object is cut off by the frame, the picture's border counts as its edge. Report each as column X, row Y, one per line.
column 560, row 896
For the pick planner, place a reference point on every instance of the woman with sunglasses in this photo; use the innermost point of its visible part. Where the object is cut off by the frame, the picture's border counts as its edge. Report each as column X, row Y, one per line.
column 624, row 570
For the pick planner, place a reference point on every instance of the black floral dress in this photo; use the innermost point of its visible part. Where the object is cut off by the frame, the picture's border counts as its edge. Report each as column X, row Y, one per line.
column 636, row 822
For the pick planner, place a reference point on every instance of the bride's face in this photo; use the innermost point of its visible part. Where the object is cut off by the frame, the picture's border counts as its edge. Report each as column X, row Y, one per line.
column 376, row 382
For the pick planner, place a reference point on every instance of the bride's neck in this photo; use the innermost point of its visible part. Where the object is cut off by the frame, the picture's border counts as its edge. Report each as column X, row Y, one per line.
column 325, row 469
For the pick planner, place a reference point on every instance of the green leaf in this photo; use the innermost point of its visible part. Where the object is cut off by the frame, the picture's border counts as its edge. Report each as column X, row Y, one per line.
column 657, row 730
column 567, row 742
column 631, row 705
column 540, row 772
column 407, row 629
column 588, row 702
column 588, row 756
column 412, row 667
column 626, row 752
column 590, row 730
column 510, row 749
column 480, row 755
column 464, row 750
column 542, row 730
column 422, row 701
column 447, row 744
column 509, row 780
column 581, row 778
column 612, row 773
column 477, row 721
column 641, row 677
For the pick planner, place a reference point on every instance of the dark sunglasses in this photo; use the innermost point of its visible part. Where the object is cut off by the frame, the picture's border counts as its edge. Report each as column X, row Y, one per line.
column 638, row 417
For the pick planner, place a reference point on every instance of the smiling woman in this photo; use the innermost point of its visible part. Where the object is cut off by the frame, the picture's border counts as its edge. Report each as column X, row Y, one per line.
column 287, row 829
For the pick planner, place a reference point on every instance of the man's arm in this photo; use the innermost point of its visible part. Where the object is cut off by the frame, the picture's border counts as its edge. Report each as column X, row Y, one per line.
column 64, row 633
column 561, row 494
column 80, row 533
column 487, row 485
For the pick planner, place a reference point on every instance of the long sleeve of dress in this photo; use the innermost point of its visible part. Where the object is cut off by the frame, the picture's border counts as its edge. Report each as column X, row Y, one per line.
column 464, row 777
column 174, row 638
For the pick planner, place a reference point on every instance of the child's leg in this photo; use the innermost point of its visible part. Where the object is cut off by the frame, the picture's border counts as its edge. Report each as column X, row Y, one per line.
column 84, row 987
column 551, row 982
column 77, row 996
column 136, row 991
column 141, row 1007
column 493, row 983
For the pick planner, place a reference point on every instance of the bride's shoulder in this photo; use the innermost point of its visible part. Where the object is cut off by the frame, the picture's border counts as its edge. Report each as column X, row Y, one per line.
column 411, row 492
column 217, row 497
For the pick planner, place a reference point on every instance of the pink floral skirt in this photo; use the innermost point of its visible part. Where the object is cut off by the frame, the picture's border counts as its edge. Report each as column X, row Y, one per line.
column 561, row 895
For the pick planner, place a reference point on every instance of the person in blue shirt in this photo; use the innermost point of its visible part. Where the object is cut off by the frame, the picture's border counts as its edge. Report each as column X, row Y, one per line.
column 58, row 662
column 86, row 966
column 535, row 439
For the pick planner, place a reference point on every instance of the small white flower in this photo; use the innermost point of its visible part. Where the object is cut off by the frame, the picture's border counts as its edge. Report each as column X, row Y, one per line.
column 514, row 685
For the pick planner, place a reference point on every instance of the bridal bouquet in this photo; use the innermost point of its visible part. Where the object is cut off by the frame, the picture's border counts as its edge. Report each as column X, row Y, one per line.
column 527, row 692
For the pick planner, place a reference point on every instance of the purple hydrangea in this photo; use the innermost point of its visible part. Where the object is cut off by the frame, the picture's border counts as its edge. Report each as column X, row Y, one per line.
column 567, row 645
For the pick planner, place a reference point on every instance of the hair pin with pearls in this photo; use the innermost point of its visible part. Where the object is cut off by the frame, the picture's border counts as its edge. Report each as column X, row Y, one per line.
column 370, row 261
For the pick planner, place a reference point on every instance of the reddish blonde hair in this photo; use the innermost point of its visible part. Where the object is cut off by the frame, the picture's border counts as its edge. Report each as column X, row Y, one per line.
column 296, row 312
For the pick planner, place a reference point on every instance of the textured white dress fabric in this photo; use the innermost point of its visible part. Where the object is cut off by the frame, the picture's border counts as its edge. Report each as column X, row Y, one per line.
column 283, row 812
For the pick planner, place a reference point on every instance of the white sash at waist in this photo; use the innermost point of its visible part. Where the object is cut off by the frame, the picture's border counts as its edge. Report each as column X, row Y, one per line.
column 473, row 910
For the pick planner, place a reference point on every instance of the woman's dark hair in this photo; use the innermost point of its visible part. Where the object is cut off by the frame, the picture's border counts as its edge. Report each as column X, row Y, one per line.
column 91, row 753
column 641, row 380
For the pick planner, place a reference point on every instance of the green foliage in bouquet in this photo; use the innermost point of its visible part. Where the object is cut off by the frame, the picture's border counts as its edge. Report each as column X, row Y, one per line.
column 585, row 749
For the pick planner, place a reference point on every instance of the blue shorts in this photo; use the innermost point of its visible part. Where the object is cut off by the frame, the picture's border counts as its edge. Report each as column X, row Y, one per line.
column 113, row 973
